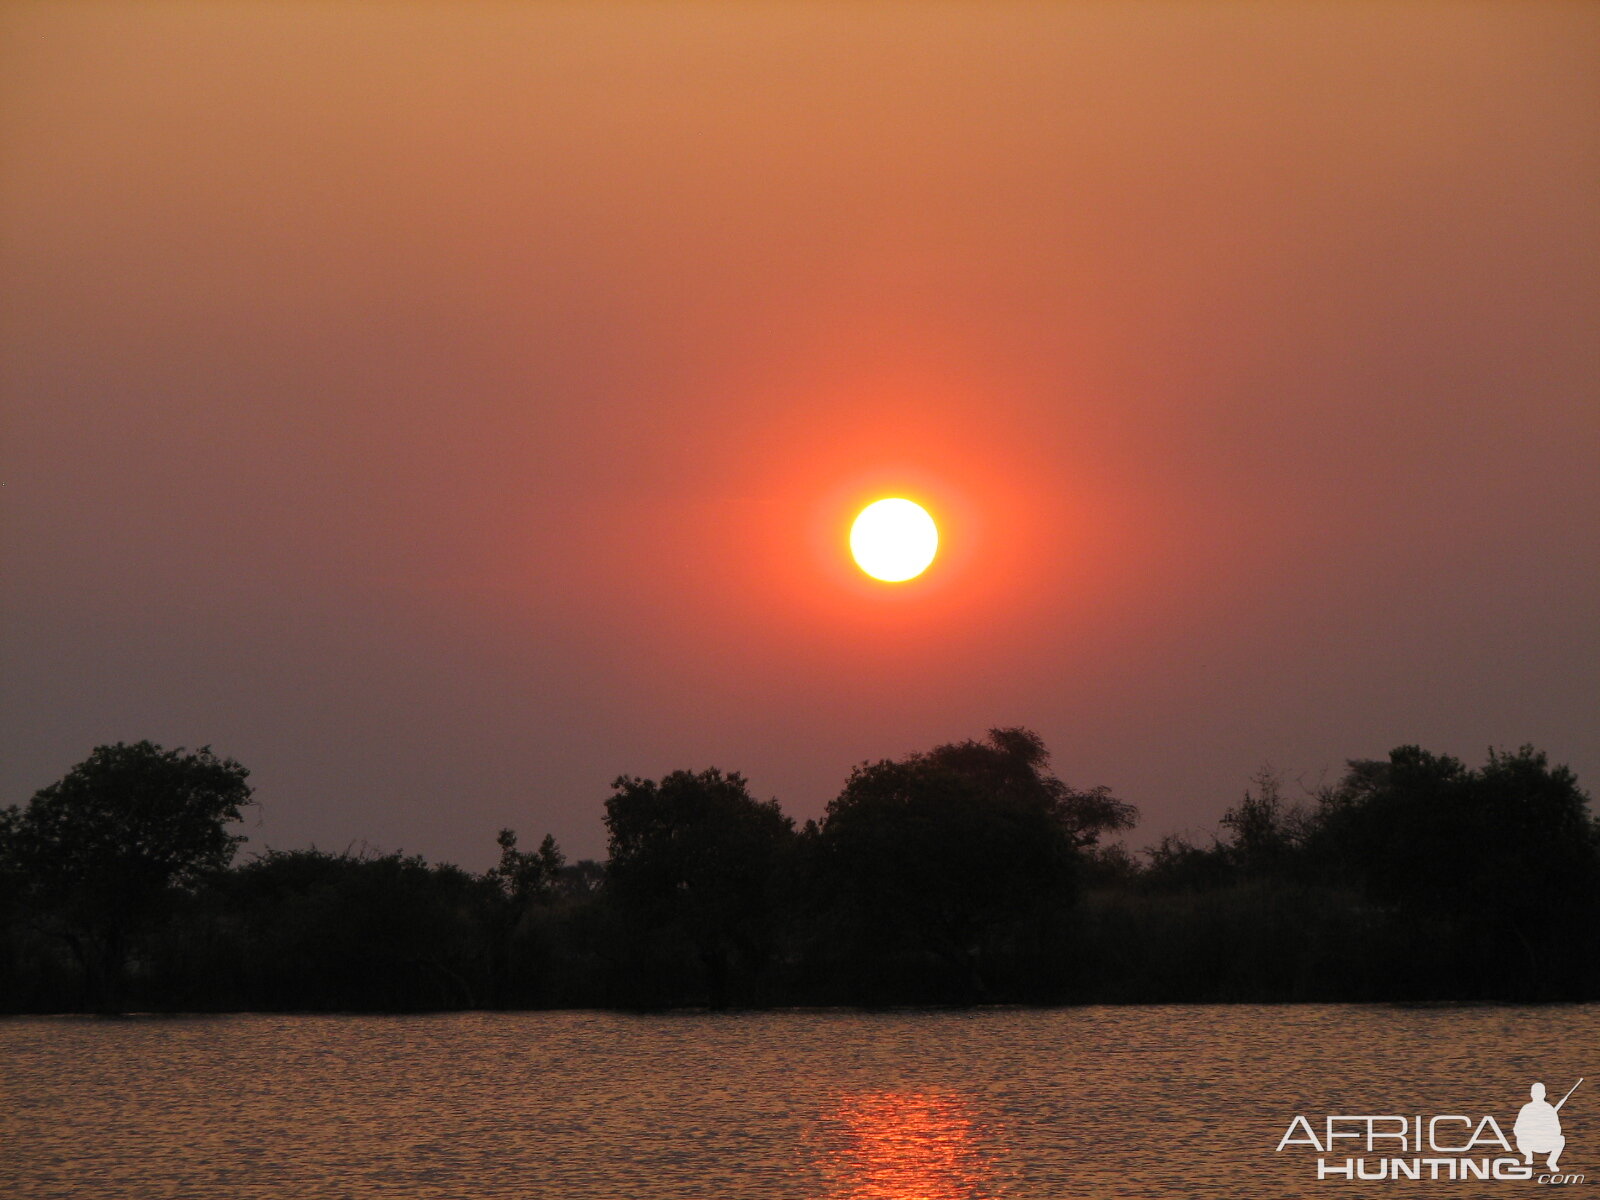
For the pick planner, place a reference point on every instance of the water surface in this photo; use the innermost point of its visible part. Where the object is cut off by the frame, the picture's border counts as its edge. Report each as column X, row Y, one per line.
column 1128, row 1101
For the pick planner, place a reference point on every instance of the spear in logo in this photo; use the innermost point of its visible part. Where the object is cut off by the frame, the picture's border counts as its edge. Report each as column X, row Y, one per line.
column 1570, row 1090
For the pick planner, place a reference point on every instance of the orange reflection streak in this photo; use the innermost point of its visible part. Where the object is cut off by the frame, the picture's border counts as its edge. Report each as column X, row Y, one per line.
column 909, row 1146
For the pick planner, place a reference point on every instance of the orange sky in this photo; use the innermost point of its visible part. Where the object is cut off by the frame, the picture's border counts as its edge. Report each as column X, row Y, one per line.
column 444, row 408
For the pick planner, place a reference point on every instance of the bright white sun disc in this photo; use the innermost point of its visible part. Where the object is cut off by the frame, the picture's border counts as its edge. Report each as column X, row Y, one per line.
column 894, row 540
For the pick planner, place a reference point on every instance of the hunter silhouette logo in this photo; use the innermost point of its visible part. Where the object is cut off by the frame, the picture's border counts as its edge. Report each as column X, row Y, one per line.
column 1538, row 1128
column 1451, row 1146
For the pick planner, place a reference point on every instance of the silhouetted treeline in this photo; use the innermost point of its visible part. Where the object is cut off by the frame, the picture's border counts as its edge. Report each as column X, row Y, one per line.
column 966, row 874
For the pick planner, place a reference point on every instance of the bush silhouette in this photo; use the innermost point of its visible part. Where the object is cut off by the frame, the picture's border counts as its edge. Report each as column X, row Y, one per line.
column 965, row 873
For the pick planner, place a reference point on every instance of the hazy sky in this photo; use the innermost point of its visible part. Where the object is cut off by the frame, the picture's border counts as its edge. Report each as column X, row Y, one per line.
column 445, row 408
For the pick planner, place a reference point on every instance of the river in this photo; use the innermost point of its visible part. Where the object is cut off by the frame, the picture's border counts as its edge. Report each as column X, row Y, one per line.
column 1013, row 1103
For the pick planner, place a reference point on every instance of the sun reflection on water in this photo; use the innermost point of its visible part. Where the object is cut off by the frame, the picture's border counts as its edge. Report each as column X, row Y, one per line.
column 907, row 1146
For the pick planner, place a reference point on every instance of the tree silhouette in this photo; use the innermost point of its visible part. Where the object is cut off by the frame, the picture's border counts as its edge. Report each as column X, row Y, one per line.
column 527, row 876
column 1263, row 829
column 964, row 853
column 1506, row 856
column 100, row 853
column 696, row 855
column 525, row 884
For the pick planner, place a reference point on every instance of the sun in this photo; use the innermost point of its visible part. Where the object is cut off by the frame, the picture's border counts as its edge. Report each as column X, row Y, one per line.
column 894, row 540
